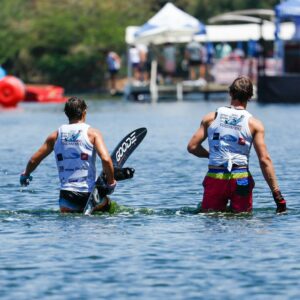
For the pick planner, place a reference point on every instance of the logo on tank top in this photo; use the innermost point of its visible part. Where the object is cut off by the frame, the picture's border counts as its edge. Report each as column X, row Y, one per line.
column 231, row 121
column 71, row 137
column 72, row 155
column 228, row 138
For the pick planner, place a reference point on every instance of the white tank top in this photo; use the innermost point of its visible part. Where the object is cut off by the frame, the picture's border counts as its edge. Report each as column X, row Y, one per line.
column 75, row 158
column 229, row 138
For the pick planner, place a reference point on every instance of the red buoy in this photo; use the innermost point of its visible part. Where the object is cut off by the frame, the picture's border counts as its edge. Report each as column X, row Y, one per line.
column 12, row 91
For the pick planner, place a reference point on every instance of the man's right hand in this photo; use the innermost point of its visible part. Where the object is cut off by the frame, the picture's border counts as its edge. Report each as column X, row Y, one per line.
column 120, row 174
column 280, row 202
column 110, row 188
column 25, row 179
column 123, row 173
column 104, row 188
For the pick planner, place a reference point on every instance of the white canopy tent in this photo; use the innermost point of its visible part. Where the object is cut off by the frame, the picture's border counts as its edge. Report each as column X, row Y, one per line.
column 169, row 25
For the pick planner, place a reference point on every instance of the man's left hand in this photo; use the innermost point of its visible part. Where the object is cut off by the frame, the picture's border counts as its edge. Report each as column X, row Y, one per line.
column 25, row 179
column 280, row 201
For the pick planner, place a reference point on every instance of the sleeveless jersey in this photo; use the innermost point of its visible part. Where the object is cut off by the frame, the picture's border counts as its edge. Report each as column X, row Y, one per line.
column 75, row 158
column 229, row 138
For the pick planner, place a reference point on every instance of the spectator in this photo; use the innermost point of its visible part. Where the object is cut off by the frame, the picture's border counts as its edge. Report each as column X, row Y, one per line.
column 223, row 50
column 134, row 59
column 143, row 68
column 113, row 61
column 169, row 57
column 194, row 56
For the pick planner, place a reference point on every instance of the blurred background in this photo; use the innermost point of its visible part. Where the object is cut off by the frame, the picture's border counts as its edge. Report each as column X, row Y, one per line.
column 64, row 42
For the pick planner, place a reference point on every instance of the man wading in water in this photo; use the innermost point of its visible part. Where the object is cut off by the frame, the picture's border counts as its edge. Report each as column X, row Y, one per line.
column 230, row 132
column 75, row 146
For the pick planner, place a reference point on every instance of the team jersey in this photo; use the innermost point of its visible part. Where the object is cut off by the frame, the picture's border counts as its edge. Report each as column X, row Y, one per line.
column 75, row 158
column 229, row 138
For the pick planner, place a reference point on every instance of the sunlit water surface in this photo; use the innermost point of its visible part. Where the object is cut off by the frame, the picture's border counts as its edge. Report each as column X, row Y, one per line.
column 155, row 246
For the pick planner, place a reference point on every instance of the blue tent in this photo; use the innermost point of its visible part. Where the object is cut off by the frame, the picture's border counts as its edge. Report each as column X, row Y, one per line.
column 288, row 10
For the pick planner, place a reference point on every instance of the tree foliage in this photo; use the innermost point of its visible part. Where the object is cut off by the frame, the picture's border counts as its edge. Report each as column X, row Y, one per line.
column 63, row 41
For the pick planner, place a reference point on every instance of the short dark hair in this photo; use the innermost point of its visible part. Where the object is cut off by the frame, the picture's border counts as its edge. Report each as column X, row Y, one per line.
column 241, row 89
column 74, row 108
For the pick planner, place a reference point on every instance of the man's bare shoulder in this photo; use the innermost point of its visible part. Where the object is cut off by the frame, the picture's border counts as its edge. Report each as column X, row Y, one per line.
column 52, row 137
column 208, row 119
column 93, row 134
column 50, row 140
column 93, row 131
column 256, row 125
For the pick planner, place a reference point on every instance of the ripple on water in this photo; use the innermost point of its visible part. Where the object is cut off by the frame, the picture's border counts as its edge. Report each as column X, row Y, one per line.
column 154, row 244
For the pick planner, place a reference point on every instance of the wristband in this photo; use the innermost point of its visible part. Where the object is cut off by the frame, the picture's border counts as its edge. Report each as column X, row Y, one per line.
column 280, row 201
column 25, row 179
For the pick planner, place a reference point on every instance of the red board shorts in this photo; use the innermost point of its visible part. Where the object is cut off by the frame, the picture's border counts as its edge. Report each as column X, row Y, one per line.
column 220, row 186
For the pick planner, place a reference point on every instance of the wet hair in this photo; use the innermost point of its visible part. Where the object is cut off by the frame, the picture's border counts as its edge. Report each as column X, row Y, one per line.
column 241, row 89
column 74, row 108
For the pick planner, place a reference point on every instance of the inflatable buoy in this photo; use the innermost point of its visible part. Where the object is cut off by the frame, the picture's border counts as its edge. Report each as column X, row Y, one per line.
column 12, row 91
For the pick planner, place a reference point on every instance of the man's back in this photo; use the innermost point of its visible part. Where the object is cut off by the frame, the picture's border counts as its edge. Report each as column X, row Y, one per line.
column 75, row 158
column 229, row 138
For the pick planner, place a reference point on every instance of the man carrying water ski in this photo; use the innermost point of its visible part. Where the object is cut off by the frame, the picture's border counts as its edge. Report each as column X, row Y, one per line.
column 230, row 132
column 75, row 146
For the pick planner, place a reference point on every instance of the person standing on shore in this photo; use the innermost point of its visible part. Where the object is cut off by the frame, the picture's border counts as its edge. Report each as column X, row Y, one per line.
column 75, row 146
column 231, row 131
column 194, row 57
column 113, row 61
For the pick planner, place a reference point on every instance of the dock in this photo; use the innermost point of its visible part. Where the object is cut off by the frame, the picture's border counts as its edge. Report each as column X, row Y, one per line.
column 178, row 91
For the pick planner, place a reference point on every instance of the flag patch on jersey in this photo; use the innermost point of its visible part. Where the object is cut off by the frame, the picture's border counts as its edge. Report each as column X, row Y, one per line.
column 84, row 156
column 242, row 141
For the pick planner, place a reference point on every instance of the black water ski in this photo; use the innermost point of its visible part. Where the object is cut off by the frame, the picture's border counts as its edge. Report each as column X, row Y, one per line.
column 119, row 156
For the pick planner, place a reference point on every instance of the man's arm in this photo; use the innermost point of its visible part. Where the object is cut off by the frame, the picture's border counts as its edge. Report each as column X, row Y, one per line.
column 263, row 155
column 265, row 162
column 195, row 144
column 107, row 165
column 41, row 153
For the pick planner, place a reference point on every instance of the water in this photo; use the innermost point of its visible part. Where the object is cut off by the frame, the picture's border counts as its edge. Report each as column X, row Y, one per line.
column 155, row 246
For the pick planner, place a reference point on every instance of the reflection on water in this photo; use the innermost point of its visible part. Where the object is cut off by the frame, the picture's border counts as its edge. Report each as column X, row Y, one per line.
column 153, row 244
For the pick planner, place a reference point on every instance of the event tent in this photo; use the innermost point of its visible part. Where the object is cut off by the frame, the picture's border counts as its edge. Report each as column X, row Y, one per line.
column 232, row 33
column 288, row 10
column 169, row 25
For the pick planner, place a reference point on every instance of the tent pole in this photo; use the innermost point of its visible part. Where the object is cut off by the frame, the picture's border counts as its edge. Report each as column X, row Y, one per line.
column 128, row 88
column 153, row 83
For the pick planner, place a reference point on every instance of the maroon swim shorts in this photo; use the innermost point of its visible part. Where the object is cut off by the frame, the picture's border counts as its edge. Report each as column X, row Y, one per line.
column 222, row 187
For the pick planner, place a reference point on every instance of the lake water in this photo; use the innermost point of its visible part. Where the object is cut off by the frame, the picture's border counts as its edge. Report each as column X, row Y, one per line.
column 155, row 247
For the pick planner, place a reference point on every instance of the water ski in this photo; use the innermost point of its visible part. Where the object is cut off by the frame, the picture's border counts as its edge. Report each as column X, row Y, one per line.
column 119, row 156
